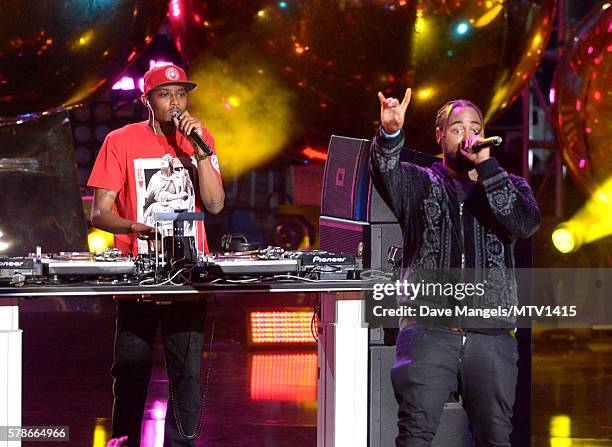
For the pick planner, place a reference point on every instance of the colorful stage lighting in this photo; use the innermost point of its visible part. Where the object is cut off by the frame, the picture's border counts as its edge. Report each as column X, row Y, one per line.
column 560, row 428
column 564, row 240
column 284, row 377
column 425, row 93
column 314, row 154
column 242, row 101
column 462, row 28
column 100, row 435
column 3, row 245
column 592, row 222
column 153, row 426
column 420, row 25
column 159, row 63
column 280, row 327
column 125, row 83
column 128, row 83
column 552, row 95
column 490, row 15
column 175, row 8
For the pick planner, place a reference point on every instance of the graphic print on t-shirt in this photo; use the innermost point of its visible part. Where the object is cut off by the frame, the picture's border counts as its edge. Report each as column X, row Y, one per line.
column 164, row 185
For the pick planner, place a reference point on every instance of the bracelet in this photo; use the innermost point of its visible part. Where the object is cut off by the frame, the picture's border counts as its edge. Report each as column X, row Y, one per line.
column 199, row 157
column 389, row 135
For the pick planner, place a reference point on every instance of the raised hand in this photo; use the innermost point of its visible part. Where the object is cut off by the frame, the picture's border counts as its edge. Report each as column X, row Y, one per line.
column 117, row 442
column 392, row 111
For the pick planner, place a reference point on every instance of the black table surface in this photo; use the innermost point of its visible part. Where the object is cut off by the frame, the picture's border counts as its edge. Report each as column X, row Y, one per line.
column 94, row 288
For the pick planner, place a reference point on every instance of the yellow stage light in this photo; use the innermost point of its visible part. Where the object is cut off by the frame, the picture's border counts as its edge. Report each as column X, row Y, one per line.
column 99, row 240
column 233, row 101
column 564, row 240
column 489, row 16
column 85, row 38
column 592, row 222
column 560, row 442
column 560, row 427
column 100, row 436
column 425, row 93
column 419, row 25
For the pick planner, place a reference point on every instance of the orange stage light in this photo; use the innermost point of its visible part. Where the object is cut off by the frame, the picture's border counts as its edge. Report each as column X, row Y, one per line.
column 284, row 377
column 287, row 326
column 314, row 154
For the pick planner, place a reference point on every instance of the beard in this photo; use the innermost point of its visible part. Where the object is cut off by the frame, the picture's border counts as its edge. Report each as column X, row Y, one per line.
column 458, row 162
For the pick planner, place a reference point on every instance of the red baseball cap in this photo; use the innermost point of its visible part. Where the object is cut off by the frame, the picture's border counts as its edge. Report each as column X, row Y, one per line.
column 166, row 75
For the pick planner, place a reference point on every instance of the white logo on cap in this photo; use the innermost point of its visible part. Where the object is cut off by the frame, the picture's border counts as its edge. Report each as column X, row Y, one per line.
column 172, row 74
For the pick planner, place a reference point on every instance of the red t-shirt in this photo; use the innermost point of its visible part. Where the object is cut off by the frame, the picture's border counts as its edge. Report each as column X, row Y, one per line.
column 150, row 173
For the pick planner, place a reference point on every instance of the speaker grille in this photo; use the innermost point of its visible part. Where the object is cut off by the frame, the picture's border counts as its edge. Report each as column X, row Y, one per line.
column 340, row 237
column 348, row 192
column 344, row 174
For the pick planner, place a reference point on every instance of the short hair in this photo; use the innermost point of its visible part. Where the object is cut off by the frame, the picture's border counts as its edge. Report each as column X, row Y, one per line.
column 445, row 111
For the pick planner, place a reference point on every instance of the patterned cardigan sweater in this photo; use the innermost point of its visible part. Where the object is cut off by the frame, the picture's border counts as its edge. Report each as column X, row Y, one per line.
column 441, row 233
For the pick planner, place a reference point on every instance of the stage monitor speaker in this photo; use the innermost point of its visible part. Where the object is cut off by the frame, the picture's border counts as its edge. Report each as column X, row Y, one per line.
column 453, row 429
column 345, row 178
column 348, row 192
column 343, row 236
column 352, row 210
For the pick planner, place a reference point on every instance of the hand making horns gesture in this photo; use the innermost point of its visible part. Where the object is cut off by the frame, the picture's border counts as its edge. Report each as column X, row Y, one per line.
column 392, row 111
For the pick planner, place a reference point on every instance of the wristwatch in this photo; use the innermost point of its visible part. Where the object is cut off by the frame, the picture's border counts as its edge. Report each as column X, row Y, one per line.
column 199, row 156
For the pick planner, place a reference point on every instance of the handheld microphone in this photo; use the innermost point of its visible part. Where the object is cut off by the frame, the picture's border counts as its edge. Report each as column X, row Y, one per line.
column 487, row 142
column 195, row 136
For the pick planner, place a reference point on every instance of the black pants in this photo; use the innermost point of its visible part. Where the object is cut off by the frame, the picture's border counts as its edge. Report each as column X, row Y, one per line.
column 434, row 362
column 181, row 328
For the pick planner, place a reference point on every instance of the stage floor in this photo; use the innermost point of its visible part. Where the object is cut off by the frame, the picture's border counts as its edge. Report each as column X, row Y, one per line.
column 263, row 397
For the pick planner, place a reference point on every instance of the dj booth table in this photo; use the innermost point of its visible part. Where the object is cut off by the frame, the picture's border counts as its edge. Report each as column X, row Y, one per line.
column 342, row 415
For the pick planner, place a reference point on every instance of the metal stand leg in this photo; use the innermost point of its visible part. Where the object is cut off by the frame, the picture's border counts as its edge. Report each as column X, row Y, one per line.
column 10, row 370
column 342, row 416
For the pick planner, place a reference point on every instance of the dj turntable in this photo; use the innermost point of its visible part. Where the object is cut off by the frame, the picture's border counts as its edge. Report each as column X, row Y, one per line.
column 276, row 261
column 267, row 264
column 108, row 263
column 230, row 264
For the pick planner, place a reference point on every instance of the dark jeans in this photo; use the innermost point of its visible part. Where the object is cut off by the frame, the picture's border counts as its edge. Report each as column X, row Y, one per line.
column 434, row 362
column 182, row 325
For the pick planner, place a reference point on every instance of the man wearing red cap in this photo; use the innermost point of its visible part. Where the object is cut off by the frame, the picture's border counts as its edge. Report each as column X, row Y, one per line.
column 159, row 149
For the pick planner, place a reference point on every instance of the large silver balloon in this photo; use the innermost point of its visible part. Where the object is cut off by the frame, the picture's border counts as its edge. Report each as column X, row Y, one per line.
column 335, row 55
column 583, row 105
column 57, row 53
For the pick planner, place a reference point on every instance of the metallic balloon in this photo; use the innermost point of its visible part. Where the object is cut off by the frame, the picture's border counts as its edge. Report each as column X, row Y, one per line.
column 583, row 100
column 57, row 53
column 198, row 25
column 336, row 55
